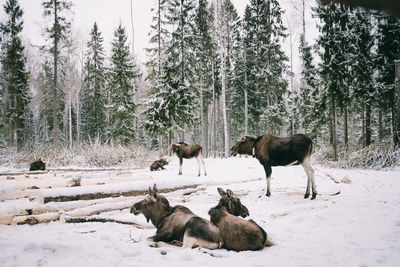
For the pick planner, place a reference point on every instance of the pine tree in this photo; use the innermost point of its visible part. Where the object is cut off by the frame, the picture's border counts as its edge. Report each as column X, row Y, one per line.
column 57, row 32
column 16, row 98
column 93, row 116
column 123, row 73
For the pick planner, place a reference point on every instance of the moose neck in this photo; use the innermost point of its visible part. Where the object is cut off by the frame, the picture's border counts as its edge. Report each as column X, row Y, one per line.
column 250, row 146
column 156, row 216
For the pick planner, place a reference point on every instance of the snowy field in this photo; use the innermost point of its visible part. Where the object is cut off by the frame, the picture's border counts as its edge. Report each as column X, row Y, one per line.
column 358, row 227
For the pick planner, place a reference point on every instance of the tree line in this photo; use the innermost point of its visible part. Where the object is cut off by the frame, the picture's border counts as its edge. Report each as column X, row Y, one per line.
column 211, row 77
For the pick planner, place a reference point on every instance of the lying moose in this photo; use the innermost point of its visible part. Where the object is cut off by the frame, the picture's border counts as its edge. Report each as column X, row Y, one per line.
column 177, row 224
column 238, row 234
column 274, row 151
column 158, row 164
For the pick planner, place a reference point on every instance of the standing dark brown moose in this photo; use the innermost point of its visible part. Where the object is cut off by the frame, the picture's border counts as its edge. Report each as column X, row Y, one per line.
column 184, row 151
column 238, row 234
column 274, row 151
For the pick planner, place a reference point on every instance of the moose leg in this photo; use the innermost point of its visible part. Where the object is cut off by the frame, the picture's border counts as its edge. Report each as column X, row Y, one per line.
column 310, row 178
column 180, row 166
column 204, row 165
column 198, row 164
column 268, row 171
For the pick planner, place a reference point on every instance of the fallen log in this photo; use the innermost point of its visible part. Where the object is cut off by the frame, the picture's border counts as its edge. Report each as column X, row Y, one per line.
column 102, row 194
column 35, row 219
column 103, row 220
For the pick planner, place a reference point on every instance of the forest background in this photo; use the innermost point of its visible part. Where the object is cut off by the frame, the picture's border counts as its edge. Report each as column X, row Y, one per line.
column 209, row 76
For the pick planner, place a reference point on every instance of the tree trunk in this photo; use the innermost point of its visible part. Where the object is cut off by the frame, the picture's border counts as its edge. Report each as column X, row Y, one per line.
column 367, row 124
column 380, row 127
column 363, row 124
column 346, row 128
column 55, row 75
column 224, row 115
column 396, row 101
column 246, row 104
column 334, row 138
column 160, row 145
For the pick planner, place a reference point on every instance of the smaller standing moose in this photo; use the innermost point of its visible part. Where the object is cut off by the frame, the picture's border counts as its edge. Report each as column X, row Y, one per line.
column 184, row 151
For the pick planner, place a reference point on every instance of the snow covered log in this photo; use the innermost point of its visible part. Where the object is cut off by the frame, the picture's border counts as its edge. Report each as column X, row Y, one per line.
column 106, row 191
column 35, row 219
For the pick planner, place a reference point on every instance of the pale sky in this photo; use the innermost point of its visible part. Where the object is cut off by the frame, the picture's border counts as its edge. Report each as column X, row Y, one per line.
column 109, row 13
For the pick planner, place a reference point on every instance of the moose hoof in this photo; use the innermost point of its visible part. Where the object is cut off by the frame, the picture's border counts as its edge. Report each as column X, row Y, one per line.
column 306, row 195
column 268, row 194
column 314, row 195
column 180, row 173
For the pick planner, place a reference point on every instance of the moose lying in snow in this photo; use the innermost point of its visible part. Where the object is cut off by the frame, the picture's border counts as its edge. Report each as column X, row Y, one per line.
column 158, row 164
column 184, row 151
column 238, row 234
column 273, row 151
column 177, row 224
column 38, row 165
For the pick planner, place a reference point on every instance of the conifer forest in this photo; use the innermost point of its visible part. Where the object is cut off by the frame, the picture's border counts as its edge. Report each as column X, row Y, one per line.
column 210, row 76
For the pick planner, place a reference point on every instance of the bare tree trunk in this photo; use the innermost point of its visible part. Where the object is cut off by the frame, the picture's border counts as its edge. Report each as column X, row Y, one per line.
column 334, row 138
column 380, row 127
column 396, row 101
column 346, row 128
column 367, row 124
column 363, row 124
column 224, row 115
column 214, row 117
column 160, row 145
column 246, row 104
column 55, row 76
column 70, row 118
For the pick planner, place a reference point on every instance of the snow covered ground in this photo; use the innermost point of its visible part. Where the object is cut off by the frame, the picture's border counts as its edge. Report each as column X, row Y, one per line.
column 358, row 227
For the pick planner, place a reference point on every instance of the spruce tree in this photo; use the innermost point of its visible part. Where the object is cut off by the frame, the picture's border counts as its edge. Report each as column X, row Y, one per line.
column 123, row 73
column 204, row 49
column 57, row 33
column 266, row 63
column 15, row 91
column 388, row 51
column 93, row 116
column 156, row 54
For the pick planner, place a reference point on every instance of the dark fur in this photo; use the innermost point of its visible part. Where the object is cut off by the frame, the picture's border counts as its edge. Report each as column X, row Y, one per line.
column 38, row 165
column 238, row 234
column 274, row 151
column 158, row 164
column 185, row 151
column 176, row 223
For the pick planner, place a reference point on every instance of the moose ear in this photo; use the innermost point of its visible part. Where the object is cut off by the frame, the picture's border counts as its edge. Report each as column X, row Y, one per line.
column 155, row 189
column 150, row 191
column 221, row 192
column 229, row 193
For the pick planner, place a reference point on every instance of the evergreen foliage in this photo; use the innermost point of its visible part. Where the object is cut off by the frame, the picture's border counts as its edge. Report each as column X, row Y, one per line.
column 57, row 35
column 15, row 112
column 123, row 75
column 93, row 116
